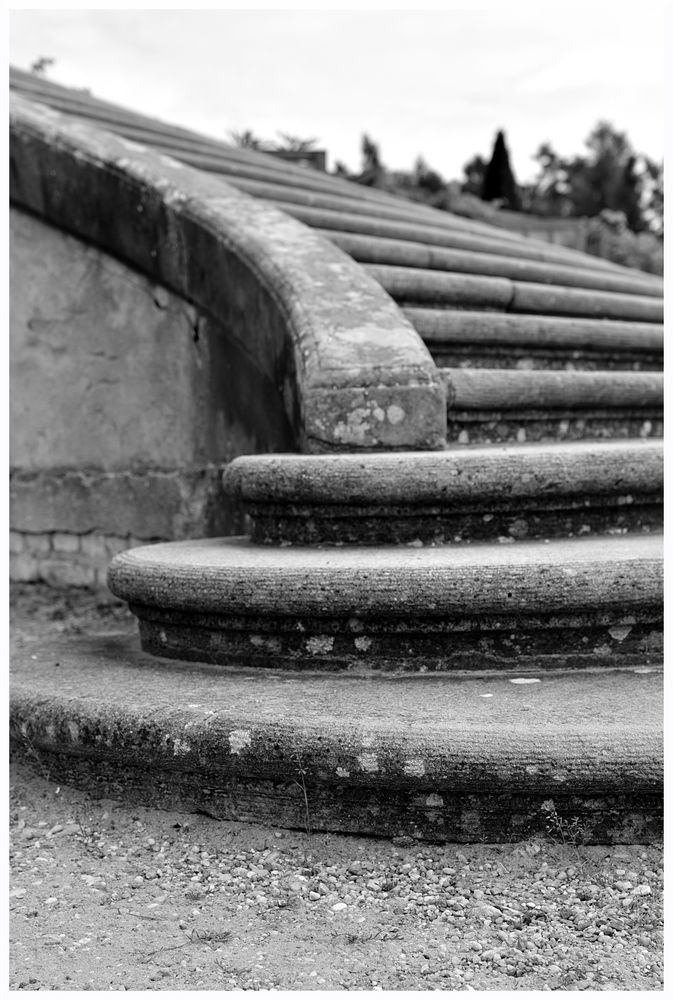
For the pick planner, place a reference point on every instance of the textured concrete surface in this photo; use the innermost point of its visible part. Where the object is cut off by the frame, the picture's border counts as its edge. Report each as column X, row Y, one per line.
column 202, row 575
column 576, row 603
column 406, row 253
column 460, row 758
column 522, row 491
column 415, row 285
column 477, row 474
column 506, row 390
column 350, row 368
column 571, row 333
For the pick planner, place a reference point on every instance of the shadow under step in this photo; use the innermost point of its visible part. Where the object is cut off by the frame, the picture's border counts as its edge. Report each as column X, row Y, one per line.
column 497, row 405
column 578, row 603
column 475, row 493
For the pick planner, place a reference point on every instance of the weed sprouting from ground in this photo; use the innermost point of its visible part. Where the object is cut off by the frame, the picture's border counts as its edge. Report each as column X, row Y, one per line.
column 569, row 832
column 300, row 782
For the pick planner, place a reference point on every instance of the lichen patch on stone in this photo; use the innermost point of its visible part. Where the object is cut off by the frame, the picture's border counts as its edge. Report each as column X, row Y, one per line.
column 368, row 762
column 320, row 644
column 239, row 739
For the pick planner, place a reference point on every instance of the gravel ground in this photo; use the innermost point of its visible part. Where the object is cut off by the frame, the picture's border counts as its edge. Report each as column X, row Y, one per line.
column 109, row 896
column 104, row 896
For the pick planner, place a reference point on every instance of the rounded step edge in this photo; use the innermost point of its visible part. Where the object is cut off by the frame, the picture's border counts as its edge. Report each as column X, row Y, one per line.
column 437, row 759
column 477, row 493
column 491, row 405
column 563, row 604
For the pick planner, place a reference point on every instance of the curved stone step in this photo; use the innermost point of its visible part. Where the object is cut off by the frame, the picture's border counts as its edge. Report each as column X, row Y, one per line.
column 486, row 406
column 573, row 603
column 436, row 758
column 418, row 286
column 533, row 491
column 458, row 338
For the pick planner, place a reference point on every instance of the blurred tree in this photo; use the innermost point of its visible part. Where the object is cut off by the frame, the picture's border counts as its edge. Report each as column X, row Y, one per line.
column 293, row 144
column 499, row 184
column 373, row 172
column 426, row 179
column 474, row 176
column 610, row 177
column 248, row 140
column 41, row 65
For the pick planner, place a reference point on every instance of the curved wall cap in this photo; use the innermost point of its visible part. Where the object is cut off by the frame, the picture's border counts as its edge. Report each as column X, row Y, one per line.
column 352, row 370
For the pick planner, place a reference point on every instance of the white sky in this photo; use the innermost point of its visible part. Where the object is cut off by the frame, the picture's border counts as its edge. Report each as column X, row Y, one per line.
column 437, row 82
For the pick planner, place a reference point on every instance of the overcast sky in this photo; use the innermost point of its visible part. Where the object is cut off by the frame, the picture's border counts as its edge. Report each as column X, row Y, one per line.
column 436, row 82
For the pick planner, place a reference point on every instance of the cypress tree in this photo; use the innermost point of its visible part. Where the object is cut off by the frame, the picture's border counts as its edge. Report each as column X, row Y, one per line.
column 499, row 180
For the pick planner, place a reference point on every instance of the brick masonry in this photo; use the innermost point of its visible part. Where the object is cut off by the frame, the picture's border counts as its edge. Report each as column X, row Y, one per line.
column 64, row 559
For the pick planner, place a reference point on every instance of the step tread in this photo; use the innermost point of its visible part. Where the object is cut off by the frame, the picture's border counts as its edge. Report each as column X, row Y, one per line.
column 557, row 469
column 109, row 675
column 415, row 285
column 517, row 389
column 431, row 256
column 433, row 758
column 233, row 574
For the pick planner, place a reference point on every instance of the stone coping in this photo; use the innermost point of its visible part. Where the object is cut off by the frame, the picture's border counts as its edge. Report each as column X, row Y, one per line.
column 230, row 576
column 353, row 371
column 450, row 758
column 444, row 479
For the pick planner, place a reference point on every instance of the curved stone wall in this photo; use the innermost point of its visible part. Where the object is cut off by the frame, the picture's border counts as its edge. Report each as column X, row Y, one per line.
column 352, row 371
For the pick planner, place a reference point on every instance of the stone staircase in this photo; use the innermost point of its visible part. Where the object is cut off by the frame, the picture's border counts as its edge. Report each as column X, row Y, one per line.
column 434, row 643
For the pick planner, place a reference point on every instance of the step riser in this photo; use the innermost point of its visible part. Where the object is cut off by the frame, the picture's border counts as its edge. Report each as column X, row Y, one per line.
column 389, row 645
column 426, row 814
column 475, row 356
column 469, row 427
column 480, row 522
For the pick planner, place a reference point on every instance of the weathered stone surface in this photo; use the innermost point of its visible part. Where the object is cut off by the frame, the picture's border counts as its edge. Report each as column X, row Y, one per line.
column 506, row 389
column 144, row 503
column 498, row 474
column 477, row 493
column 459, row 234
column 439, row 759
column 351, row 370
column 482, row 427
column 398, row 608
column 463, row 339
column 415, row 285
column 407, row 253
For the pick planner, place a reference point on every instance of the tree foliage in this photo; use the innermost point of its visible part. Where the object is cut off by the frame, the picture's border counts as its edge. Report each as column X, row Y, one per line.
column 611, row 176
column 40, row 65
column 498, row 183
